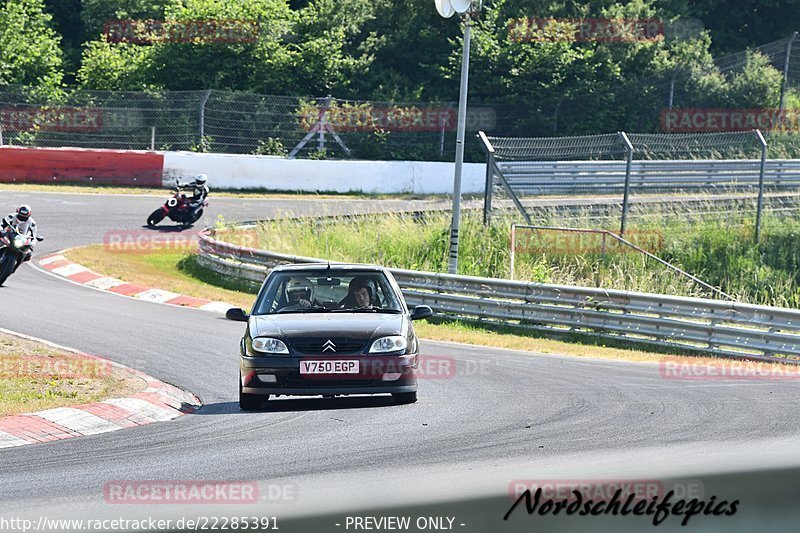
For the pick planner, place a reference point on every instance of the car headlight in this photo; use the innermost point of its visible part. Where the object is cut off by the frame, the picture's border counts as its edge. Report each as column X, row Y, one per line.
column 19, row 242
column 394, row 343
column 270, row 345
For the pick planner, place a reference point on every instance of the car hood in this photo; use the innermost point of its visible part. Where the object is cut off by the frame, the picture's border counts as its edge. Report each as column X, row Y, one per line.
column 356, row 325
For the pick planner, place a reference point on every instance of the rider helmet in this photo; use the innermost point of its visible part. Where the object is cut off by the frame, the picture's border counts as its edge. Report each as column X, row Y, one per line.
column 23, row 213
column 365, row 282
column 299, row 288
column 200, row 180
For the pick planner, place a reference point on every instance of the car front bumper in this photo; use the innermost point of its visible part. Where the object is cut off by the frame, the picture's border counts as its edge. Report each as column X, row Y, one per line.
column 281, row 375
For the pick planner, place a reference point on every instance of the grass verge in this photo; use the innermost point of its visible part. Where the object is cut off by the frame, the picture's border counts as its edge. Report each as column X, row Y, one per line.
column 180, row 273
column 34, row 377
column 169, row 270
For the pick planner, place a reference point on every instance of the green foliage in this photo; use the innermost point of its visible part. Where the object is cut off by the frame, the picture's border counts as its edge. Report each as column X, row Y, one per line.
column 30, row 48
column 318, row 154
column 120, row 66
column 203, row 146
column 24, row 138
column 271, row 147
column 757, row 85
column 96, row 13
column 384, row 50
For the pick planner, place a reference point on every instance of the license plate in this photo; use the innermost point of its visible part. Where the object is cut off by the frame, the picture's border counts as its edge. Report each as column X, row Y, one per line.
column 328, row 367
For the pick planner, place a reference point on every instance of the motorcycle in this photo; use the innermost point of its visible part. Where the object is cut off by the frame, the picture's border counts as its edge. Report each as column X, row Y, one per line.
column 14, row 246
column 179, row 209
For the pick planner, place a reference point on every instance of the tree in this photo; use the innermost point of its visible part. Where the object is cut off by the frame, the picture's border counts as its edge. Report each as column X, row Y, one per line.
column 30, row 47
column 95, row 14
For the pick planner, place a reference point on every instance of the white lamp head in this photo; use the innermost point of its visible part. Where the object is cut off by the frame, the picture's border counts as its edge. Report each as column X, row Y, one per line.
column 445, row 8
column 461, row 6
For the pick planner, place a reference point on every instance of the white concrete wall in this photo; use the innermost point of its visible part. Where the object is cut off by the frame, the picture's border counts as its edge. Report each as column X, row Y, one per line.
column 228, row 171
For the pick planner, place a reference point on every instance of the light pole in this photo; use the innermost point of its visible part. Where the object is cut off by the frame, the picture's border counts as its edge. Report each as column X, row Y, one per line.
column 467, row 9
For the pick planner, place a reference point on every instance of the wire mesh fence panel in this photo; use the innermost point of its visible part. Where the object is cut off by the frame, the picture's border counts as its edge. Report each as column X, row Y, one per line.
column 699, row 98
column 241, row 123
column 100, row 119
column 686, row 176
column 680, row 99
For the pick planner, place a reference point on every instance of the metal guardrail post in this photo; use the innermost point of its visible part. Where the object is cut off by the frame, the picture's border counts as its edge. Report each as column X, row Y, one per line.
column 513, row 250
column 786, row 68
column 762, row 168
column 487, row 194
column 202, row 118
column 671, row 101
column 626, row 194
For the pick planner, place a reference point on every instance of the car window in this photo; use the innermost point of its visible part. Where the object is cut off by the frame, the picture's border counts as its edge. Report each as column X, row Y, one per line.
column 320, row 291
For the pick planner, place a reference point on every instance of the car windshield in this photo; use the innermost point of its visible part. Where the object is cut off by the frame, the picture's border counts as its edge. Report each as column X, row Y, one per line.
column 327, row 291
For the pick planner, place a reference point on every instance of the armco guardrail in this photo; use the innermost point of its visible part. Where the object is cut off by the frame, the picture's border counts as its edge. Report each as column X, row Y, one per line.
column 563, row 177
column 709, row 326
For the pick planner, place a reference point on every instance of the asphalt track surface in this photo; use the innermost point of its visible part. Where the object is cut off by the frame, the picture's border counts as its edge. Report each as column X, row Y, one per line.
column 501, row 416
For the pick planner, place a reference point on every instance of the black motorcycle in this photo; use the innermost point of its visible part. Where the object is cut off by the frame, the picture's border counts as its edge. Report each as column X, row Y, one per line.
column 14, row 246
column 179, row 209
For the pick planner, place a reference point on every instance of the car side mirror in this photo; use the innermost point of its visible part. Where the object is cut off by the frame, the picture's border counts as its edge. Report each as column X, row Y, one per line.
column 237, row 314
column 420, row 312
column 39, row 238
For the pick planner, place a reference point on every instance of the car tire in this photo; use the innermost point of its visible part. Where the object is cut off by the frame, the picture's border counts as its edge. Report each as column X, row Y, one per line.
column 405, row 397
column 250, row 402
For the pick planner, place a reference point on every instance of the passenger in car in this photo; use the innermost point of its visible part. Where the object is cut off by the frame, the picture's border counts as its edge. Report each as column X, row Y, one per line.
column 361, row 293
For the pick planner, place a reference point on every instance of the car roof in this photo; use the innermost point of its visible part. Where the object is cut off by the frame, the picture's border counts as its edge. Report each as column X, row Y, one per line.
column 333, row 266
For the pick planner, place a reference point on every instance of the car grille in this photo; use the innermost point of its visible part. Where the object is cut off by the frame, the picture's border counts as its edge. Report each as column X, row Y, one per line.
column 294, row 379
column 316, row 346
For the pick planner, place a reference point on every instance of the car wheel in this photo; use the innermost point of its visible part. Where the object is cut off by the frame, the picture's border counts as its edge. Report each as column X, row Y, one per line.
column 249, row 402
column 405, row 397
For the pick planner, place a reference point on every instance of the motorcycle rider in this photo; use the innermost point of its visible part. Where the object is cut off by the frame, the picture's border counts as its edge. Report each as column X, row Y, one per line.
column 199, row 190
column 24, row 224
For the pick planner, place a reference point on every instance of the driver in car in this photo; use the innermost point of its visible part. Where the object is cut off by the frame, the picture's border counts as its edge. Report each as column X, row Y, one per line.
column 300, row 293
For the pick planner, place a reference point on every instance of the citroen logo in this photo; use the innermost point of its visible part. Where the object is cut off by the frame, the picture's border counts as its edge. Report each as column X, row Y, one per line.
column 329, row 346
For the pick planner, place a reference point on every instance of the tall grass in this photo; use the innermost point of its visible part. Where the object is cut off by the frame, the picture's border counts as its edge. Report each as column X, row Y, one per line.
column 717, row 249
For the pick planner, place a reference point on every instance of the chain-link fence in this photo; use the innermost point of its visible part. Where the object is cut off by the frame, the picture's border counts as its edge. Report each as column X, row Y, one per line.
column 657, row 103
column 640, row 178
column 679, row 100
column 241, row 123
